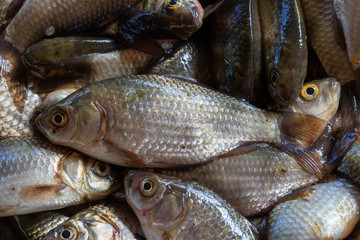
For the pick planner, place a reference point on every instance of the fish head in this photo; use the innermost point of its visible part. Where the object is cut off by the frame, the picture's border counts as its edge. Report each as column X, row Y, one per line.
column 91, row 178
column 85, row 225
column 74, row 120
column 182, row 17
column 319, row 98
column 158, row 201
column 285, row 75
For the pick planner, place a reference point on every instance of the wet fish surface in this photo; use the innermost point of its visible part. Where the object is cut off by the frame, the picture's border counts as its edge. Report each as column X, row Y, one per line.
column 346, row 12
column 252, row 182
column 39, row 176
column 115, row 221
column 324, row 37
column 169, row 208
column 159, row 121
column 236, row 47
column 285, row 48
column 324, row 211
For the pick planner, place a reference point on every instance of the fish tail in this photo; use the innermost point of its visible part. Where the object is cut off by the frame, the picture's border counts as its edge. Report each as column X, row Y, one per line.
column 13, row 72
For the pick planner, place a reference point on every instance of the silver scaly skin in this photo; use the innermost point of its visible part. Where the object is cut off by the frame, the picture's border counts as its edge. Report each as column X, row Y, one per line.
column 169, row 208
column 39, row 176
column 159, row 121
column 104, row 221
column 324, row 211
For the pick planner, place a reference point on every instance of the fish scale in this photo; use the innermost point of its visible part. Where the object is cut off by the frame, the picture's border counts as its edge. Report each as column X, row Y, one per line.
column 38, row 18
column 326, row 211
column 323, row 36
column 35, row 177
column 198, row 213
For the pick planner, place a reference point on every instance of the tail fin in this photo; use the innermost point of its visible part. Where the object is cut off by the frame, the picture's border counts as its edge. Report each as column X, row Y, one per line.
column 13, row 72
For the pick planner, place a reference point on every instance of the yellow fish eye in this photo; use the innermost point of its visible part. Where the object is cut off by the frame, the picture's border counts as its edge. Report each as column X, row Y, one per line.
column 148, row 187
column 172, row 4
column 309, row 92
column 101, row 169
column 59, row 118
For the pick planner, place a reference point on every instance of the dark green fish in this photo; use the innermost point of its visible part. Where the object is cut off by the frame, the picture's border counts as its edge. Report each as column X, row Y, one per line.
column 236, row 46
column 285, row 48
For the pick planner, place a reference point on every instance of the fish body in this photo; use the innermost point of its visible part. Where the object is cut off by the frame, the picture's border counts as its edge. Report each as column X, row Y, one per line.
column 87, row 59
column 192, row 59
column 350, row 164
column 8, row 9
column 325, row 38
column 169, row 208
column 324, row 211
column 38, row 19
column 236, row 47
column 346, row 12
column 285, row 48
column 14, row 122
column 102, row 221
column 159, row 121
column 39, row 176
column 252, row 182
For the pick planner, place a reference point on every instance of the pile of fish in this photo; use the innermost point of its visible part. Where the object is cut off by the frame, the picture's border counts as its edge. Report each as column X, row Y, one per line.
column 179, row 119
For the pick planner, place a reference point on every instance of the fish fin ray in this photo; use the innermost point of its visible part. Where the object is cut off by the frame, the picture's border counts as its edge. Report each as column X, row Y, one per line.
column 300, row 127
column 42, row 191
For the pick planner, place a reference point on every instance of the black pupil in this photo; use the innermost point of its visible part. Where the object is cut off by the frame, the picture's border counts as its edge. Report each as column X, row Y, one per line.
column 273, row 78
column 58, row 118
column 46, row 71
column 173, row 2
column 102, row 168
column 147, row 186
column 65, row 234
column 310, row 90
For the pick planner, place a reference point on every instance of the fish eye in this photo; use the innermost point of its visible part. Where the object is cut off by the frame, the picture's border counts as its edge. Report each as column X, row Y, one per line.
column 172, row 4
column 101, row 169
column 66, row 233
column 309, row 92
column 59, row 118
column 274, row 77
column 148, row 187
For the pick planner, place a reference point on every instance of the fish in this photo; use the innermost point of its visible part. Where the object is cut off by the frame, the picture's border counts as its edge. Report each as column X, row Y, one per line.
column 236, row 46
column 324, row 211
column 38, row 19
column 12, row 121
column 325, row 38
column 83, row 60
column 319, row 98
column 38, row 176
column 191, row 59
column 169, row 208
column 37, row 225
column 260, row 224
column 101, row 221
column 346, row 12
column 159, row 121
column 252, row 182
column 285, row 48
column 160, row 19
column 350, row 163
column 8, row 9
